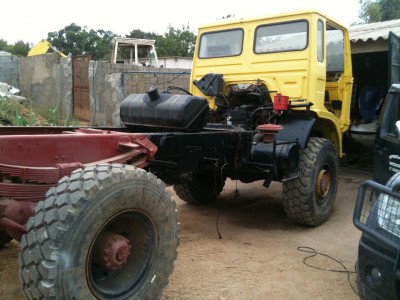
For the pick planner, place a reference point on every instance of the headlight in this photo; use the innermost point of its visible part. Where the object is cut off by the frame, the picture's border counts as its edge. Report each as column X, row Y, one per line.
column 389, row 214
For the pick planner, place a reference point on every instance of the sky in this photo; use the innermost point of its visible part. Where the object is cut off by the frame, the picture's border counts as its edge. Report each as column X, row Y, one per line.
column 30, row 21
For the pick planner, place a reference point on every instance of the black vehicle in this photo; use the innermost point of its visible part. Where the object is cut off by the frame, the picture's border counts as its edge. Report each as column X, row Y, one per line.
column 377, row 211
column 387, row 143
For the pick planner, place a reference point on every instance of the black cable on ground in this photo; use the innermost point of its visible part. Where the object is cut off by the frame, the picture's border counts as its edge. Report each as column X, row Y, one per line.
column 217, row 222
column 235, row 194
column 314, row 253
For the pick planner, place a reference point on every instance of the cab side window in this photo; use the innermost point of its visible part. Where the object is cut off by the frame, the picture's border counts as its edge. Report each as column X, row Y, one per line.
column 334, row 52
column 320, row 41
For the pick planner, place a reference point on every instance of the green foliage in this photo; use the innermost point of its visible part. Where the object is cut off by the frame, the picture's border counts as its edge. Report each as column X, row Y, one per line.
column 175, row 42
column 3, row 44
column 379, row 10
column 178, row 42
column 52, row 117
column 138, row 34
column 14, row 114
column 74, row 40
column 390, row 9
column 19, row 48
column 8, row 111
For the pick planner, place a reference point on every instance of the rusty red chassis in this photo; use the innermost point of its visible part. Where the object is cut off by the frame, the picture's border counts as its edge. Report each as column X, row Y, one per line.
column 33, row 159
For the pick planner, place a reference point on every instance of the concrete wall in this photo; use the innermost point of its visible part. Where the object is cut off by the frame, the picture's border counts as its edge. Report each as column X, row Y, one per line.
column 9, row 69
column 105, row 94
column 46, row 81
column 109, row 84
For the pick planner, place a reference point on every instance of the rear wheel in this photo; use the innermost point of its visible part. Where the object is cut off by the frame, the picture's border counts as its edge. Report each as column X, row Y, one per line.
column 199, row 188
column 106, row 232
column 309, row 198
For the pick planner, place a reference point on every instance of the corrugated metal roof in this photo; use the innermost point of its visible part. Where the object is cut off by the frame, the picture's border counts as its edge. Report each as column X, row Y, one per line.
column 374, row 31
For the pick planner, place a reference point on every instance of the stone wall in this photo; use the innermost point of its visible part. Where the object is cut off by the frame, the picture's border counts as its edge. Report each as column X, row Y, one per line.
column 109, row 84
column 9, row 69
column 46, row 81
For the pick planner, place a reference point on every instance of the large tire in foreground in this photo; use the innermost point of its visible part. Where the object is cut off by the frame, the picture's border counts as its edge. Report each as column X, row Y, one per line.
column 309, row 198
column 199, row 188
column 108, row 232
column 4, row 238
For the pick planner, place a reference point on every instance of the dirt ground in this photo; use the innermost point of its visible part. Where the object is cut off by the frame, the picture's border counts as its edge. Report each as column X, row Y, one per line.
column 256, row 255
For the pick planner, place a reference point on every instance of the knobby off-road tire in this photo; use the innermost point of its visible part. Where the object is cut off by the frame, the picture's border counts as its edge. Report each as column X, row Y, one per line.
column 199, row 188
column 4, row 238
column 57, row 258
column 309, row 198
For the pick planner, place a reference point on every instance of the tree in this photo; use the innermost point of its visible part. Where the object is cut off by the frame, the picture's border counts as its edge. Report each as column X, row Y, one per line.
column 138, row 34
column 74, row 40
column 379, row 10
column 390, row 9
column 175, row 42
column 20, row 48
column 3, row 44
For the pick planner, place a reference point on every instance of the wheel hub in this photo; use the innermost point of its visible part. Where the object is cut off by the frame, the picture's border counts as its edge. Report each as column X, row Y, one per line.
column 323, row 183
column 112, row 251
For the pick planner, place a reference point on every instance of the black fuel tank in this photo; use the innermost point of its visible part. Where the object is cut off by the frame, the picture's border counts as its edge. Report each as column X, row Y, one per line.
column 154, row 111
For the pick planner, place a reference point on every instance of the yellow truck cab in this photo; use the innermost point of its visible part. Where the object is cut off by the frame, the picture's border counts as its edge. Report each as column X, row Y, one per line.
column 304, row 56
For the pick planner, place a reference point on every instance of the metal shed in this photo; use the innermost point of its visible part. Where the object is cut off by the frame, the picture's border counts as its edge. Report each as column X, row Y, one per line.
column 373, row 37
column 375, row 49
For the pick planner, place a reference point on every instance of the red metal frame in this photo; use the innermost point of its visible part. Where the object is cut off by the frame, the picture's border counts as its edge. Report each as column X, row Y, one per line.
column 31, row 163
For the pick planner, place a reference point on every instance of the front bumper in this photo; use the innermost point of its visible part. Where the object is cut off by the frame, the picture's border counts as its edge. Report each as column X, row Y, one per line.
column 378, row 269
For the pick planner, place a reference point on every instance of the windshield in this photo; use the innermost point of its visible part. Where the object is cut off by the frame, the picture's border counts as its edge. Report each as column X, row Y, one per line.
column 281, row 37
column 221, row 43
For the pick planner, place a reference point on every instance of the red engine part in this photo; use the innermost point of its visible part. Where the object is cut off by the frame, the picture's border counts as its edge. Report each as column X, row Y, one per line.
column 281, row 102
column 269, row 131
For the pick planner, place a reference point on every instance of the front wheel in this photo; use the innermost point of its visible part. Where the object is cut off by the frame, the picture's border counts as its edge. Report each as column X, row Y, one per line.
column 107, row 232
column 309, row 198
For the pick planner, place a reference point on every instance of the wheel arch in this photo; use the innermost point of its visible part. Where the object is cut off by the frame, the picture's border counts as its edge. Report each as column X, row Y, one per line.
column 296, row 128
column 302, row 127
column 327, row 128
